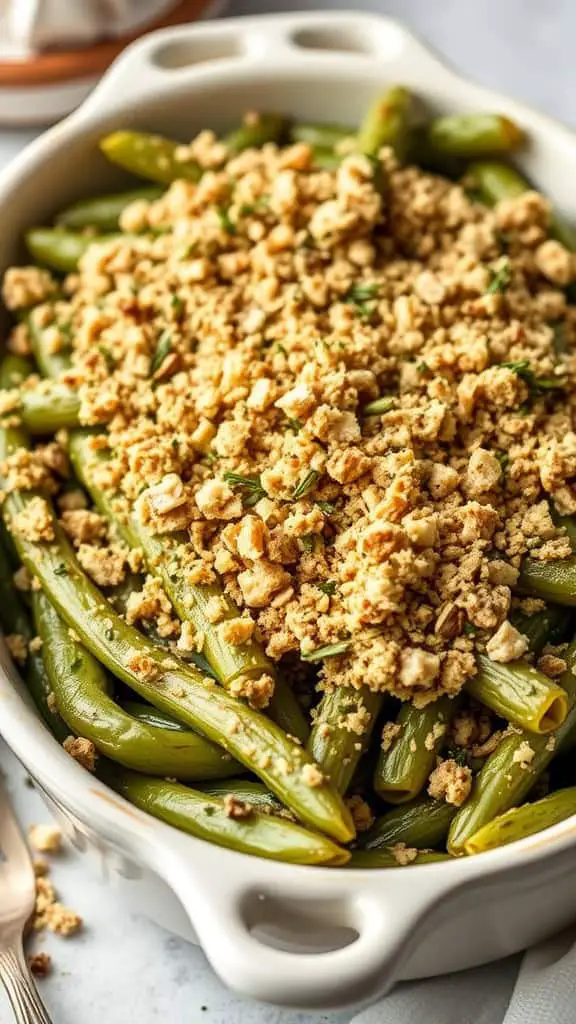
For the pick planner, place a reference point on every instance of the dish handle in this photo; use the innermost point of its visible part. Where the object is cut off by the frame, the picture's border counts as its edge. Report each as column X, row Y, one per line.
column 211, row 51
column 310, row 939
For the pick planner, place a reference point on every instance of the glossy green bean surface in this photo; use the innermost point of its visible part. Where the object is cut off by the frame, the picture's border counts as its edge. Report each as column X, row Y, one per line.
column 258, row 743
column 403, row 769
column 520, row 822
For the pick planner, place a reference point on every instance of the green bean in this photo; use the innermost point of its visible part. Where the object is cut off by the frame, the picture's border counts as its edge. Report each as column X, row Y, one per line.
column 15, row 621
column 190, row 601
column 552, row 581
column 386, row 858
column 387, row 123
column 204, row 816
column 422, row 823
column 510, row 772
column 103, row 212
column 520, row 822
column 495, row 181
column 253, row 793
column 173, row 687
column 550, row 626
column 49, row 407
column 83, row 697
column 58, row 249
column 473, row 135
column 321, row 136
column 149, row 715
column 403, row 769
column 342, row 729
column 51, row 364
column 520, row 693
column 13, row 370
column 149, row 156
column 256, row 131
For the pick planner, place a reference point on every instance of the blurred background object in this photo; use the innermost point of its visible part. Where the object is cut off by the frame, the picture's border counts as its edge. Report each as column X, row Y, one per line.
column 52, row 52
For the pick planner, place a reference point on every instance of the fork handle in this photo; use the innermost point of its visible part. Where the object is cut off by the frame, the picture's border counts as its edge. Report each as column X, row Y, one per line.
column 21, row 990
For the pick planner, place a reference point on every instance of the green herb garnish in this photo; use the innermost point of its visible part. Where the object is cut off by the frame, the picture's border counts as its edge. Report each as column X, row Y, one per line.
column 295, row 425
column 503, row 459
column 536, row 385
column 177, row 305
column 306, row 484
column 500, row 279
column 423, row 367
column 309, row 541
column 61, row 570
column 329, row 651
column 109, row 633
column 363, row 297
column 327, row 587
column 250, row 486
column 163, row 348
column 327, row 507
column 107, row 356
column 227, row 225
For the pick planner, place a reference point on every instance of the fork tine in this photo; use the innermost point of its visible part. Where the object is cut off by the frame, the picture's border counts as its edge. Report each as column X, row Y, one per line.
column 12, row 844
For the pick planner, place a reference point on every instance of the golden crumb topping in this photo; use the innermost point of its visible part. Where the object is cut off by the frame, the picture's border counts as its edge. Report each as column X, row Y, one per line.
column 351, row 404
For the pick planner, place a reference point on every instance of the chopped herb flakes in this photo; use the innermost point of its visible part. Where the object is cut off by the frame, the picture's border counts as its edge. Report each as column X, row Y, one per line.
column 250, row 487
column 306, row 485
column 163, row 348
column 327, row 507
column 363, row 297
column 329, row 651
column 500, row 278
column 227, row 225
column 327, row 587
column 537, row 385
column 61, row 570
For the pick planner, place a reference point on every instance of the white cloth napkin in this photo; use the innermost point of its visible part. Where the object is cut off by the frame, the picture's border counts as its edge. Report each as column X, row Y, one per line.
column 537, row 988
column 27, row 26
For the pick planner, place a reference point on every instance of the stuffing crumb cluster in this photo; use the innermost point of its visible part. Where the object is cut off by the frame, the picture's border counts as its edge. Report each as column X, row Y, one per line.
column 352, row 404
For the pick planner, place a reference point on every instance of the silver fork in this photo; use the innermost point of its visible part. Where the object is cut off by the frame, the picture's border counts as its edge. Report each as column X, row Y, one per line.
column 17, row 895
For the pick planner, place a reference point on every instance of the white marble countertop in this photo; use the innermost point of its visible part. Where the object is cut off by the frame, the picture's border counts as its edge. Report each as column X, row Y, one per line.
column 121, row 966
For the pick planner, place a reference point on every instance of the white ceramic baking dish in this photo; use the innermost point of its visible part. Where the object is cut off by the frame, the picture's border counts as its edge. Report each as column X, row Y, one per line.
column 297, row 936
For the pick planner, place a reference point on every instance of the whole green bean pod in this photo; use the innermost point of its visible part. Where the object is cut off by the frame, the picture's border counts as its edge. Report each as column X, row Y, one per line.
column 253, row 793
column 59, row 249
column 255, row 131
column 180, row 690
column 190, row 600
column 510, row 772
column 473, row 135
column 49, row 407
column 15, row 621
column 403, row 768
column 321, row 136
column 150, row 156
column 13, row 370
column 386, row 858
column 83, row 697
column 387, row 123
column 102, row 213
column 520, row 822
column 552, row 581
column 423, row 823
column 519, row 693
column 495, row 181
column 206, row 817
column 343, row 725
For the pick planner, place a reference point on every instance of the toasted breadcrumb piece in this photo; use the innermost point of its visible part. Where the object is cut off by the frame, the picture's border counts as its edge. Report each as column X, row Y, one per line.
column 362, row 815
column 82, row 750
column 390, row 731
column 45, row 838
column 26, row 286
column 236, row 808
column 34, row 522
column 40, row 964
column 506, row 644
column 524, row 755
column 404, row 854
column 257, row 690
column 312, row 776
column 450, row 782
column 18, row 647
